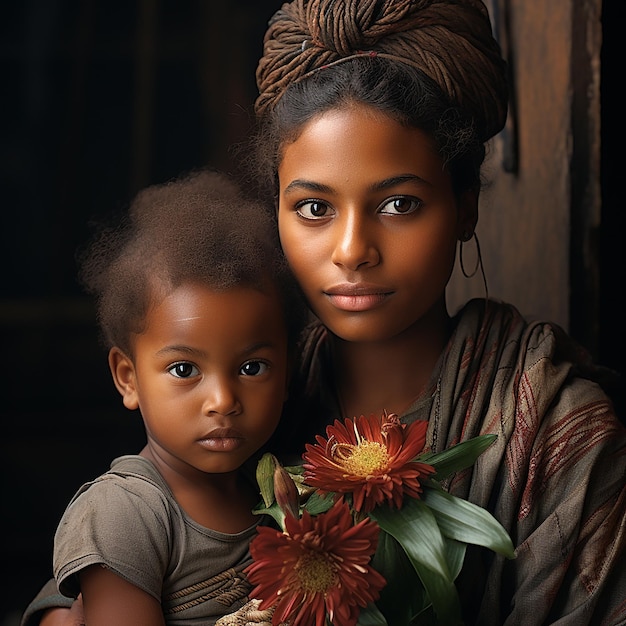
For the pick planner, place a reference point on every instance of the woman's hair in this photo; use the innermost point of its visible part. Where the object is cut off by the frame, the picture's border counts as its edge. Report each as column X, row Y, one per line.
column 429, row 64
column 196, row 228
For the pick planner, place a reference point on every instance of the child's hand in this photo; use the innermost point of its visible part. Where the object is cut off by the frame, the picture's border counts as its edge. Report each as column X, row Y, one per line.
column 248, row 615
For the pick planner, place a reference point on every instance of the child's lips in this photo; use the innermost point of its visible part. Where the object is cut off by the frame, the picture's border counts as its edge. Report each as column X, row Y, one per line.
column 222, row 439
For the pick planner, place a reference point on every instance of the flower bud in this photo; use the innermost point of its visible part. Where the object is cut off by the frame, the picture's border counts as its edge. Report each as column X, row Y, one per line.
column 285, row 491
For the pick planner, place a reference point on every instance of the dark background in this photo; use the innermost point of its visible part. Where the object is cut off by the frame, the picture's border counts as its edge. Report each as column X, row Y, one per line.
column 98, row 100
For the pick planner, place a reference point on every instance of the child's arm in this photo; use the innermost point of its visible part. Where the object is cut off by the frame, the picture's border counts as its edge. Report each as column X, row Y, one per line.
column 109, row 599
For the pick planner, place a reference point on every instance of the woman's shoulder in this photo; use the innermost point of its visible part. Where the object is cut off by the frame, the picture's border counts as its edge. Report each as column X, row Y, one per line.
column 533, row 356
column 491, row 321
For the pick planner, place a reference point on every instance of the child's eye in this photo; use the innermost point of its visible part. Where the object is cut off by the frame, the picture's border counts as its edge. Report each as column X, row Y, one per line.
column 402, row 205
column 254, row 368
column 183, row 370
column 314, row 210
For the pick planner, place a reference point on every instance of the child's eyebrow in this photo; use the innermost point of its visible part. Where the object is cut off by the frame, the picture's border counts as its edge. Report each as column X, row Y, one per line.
column 178, row 349
column 245, row 351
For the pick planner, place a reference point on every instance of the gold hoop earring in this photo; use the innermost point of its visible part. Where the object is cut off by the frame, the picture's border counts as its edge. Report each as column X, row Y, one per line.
column 465, row 237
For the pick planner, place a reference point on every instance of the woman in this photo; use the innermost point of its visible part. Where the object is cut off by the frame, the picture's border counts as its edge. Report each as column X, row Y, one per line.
column 373, row 120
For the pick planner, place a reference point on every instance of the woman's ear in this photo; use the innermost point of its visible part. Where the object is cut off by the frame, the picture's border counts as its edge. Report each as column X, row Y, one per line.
column 468, row 214
column 123, row 372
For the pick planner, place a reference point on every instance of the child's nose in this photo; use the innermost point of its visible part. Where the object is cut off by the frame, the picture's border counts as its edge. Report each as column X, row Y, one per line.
column 221, row 396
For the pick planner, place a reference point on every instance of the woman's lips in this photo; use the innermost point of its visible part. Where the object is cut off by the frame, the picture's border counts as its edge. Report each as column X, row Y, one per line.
column 356, row 297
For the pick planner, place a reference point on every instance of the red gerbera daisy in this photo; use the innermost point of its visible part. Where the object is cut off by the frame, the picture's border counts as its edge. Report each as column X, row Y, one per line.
column 318, row 568
column 371, row 458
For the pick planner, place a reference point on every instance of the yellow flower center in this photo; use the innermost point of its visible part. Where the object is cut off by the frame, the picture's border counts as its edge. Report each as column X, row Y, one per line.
column 364, row 459
column 316, row 573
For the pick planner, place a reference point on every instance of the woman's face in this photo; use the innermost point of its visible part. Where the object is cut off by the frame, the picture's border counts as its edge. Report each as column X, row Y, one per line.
column 369, row 222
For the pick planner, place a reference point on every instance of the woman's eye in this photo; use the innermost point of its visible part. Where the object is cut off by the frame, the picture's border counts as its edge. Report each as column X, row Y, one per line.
column 313, row 210
column 400, row 205
column 183, row 370
column 254, row 368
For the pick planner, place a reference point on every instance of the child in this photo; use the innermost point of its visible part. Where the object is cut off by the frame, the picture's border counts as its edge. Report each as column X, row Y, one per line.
column 200, row 318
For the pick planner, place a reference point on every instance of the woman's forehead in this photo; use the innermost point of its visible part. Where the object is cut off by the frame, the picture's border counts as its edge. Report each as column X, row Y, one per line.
column 352, row 143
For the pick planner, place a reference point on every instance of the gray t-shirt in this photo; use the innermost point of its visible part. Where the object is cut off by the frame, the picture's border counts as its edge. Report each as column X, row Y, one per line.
column 129, row 521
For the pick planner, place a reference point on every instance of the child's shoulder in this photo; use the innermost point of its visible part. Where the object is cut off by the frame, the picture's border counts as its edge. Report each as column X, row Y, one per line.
column 131, row 483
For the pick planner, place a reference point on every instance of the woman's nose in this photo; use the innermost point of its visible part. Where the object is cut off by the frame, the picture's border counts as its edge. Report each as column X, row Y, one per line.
column 355, row 245
column 221, row 396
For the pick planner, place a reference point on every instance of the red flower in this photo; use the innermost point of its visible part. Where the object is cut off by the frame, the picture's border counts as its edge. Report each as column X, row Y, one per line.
column 371, row 458
column 318, row 567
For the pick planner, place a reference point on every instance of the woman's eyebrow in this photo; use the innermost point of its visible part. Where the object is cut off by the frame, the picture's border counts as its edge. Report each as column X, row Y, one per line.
column 398, row 180
column 308, row 185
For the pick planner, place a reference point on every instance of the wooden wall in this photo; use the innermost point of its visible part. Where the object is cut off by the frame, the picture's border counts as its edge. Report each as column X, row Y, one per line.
column 532, row 213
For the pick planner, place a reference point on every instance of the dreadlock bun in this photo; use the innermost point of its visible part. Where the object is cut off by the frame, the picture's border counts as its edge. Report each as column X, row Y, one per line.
column 450, row 41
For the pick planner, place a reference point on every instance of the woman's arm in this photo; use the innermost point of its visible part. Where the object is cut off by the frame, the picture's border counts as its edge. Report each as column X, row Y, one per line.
column 50, row 608
column 62, row 616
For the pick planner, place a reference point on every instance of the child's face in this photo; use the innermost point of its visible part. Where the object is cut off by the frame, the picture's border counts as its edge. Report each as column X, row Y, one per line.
column 210, row 376
column 369, row 222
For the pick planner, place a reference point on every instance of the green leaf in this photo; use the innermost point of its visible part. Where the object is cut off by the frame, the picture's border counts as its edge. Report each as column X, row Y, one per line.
column 443, row 594
column 403, row 596
column 265, row 477
column 415, row 528
column 426, row 545
column 458, row 457
column 467, row 522
column 455, row 555
column 319, row 503
column 426, row 618
column 296, row 470
column 274, row 511
column 297, row 474
column 371, row 616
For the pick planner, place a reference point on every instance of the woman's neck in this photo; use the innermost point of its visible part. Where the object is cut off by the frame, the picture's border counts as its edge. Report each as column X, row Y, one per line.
column 388, row 375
